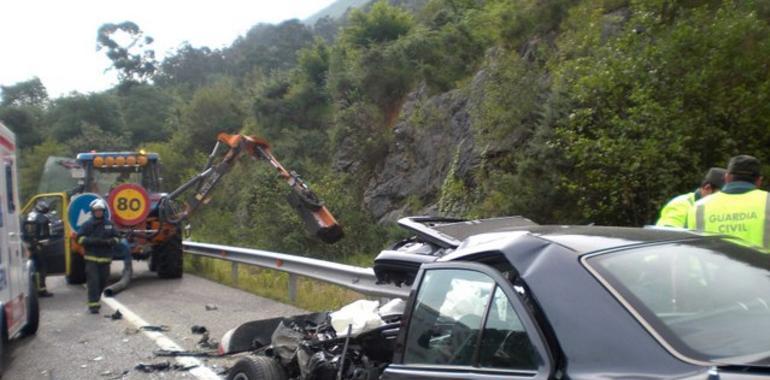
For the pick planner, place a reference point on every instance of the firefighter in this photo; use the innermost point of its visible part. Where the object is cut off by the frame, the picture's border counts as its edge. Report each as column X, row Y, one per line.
column 37, row 232
column 99, row 237
column 740, row 209
column 675, row 212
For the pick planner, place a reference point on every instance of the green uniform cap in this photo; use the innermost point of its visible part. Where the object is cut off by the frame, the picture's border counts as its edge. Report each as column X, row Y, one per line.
column 716, row 177
column 744, row 165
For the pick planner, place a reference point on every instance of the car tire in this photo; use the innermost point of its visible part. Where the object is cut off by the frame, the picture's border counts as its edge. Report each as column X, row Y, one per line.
column 3, row 340
column 257, row 368
column 33, row 306
column 77, row 273
column 169, row 258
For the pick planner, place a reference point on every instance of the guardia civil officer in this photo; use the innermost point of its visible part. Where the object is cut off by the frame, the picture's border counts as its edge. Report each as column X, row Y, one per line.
column 675, row 212
column 37, row 235
column 740, row 209
column 99, row 237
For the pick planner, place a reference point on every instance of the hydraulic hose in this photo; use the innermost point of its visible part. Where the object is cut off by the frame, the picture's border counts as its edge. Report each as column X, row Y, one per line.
column 125, row 278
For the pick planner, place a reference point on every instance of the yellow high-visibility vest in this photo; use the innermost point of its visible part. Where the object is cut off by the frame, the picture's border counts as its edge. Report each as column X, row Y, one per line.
column 675, row 212
column 744, row 216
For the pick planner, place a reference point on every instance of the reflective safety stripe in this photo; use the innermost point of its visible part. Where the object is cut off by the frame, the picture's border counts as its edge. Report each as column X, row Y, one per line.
column 700, row 219
column 81, row 240
column 92, row 304
column 766, row 237
column 97, row 259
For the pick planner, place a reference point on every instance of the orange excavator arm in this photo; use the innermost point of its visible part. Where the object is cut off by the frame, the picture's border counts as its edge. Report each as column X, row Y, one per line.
column 314, row 213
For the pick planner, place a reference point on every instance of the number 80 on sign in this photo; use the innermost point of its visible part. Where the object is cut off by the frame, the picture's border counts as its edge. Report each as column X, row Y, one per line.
column 129, row 204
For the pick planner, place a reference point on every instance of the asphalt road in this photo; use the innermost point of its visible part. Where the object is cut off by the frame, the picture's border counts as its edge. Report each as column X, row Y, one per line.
column 73, row 344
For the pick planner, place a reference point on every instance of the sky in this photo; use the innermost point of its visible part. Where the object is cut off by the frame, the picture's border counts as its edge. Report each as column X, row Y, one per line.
column 55, row 40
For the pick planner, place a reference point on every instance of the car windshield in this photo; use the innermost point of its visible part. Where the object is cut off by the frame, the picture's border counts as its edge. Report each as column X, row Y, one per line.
column 708, row 299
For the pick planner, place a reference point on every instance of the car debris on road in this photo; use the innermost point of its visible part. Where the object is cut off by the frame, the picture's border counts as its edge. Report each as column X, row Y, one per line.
column 157, row 328
column 174, row 353
column 117, row 315
column 162, row 366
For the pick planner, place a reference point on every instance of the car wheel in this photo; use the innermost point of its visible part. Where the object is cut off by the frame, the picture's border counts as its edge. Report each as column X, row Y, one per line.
column 169, row 258
column 257, row 368
column 3, row 341
column 33, row 307
column 77, row 273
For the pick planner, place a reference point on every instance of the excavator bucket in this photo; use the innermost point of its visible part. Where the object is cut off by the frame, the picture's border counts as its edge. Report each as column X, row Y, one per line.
column 317, row 218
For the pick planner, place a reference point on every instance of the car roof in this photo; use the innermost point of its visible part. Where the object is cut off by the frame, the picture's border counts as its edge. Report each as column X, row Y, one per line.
column 585, row 239
column 576, row 239
column 462, row 235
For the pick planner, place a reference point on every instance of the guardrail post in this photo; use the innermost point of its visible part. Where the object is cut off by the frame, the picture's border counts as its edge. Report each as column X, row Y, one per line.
column 292, row 287
column 234, row 273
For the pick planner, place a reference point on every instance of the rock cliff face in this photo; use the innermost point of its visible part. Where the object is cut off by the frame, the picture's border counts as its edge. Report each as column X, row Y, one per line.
column 432, row 134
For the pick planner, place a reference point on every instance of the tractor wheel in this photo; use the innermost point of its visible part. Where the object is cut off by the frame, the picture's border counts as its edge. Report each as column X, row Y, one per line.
column 257, row 368
column 77, row 273
column 169, row 259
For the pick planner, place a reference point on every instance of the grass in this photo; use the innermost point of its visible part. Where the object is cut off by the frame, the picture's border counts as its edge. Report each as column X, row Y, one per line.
column 311, row 295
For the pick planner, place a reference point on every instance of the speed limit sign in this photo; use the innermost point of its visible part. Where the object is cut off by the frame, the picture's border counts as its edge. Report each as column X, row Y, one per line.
column 129, row 204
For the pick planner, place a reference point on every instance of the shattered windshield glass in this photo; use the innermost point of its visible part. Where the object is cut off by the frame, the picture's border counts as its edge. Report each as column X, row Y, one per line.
column 709, row 299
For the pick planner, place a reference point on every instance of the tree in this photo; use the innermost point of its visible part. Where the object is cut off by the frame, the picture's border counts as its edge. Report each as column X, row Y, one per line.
column 92, row 137
column 190, row 66
column 213, row 109
column 27, row 93
column 383, row 23
column 133, row 60
column 68, row 115
column 268, row 48
column 26, row 122
column 145, row 110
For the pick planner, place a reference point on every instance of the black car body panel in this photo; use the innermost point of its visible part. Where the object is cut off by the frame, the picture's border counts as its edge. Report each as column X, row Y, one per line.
column 575, row 322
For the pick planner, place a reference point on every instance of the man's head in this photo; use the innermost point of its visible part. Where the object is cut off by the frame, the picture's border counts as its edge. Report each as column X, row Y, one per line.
column 42, row 207
column 744, row 168
column 97, row 208
column 713, row 181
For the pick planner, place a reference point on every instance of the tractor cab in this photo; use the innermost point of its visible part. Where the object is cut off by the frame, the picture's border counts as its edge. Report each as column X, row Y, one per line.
column 91, row 174
column 106, row 170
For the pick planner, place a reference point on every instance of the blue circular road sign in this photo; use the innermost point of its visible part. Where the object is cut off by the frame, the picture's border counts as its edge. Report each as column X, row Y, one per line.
column 79, row 210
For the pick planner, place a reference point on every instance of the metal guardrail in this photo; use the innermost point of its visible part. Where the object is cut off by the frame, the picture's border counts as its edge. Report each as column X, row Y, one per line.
column 359, row 279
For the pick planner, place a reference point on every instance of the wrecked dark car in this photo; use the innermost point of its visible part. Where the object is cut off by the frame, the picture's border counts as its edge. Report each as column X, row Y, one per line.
column 506, row 298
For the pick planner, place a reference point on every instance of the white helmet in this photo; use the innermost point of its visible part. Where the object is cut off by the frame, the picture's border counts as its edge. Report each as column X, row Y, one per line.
column 98, row 204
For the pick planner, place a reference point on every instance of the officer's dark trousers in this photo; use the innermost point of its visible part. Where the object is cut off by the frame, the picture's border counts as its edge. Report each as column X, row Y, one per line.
column 96, row 276
column 41, row 268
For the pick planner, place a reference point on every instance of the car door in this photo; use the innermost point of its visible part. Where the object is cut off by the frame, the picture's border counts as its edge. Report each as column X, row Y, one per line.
column 464, row 321
column 56, row 248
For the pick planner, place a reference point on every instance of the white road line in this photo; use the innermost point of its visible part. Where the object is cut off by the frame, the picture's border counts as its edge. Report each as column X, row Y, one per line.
column 201, row 371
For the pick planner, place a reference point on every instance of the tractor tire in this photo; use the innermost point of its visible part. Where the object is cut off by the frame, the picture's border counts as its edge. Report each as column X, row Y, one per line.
column 152, row 262
column 169, row 258
column 33, row 306
column 77, row 273
column 257, row 368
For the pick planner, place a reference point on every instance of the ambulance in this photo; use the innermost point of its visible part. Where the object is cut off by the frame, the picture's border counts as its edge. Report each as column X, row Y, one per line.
column 18, row 294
